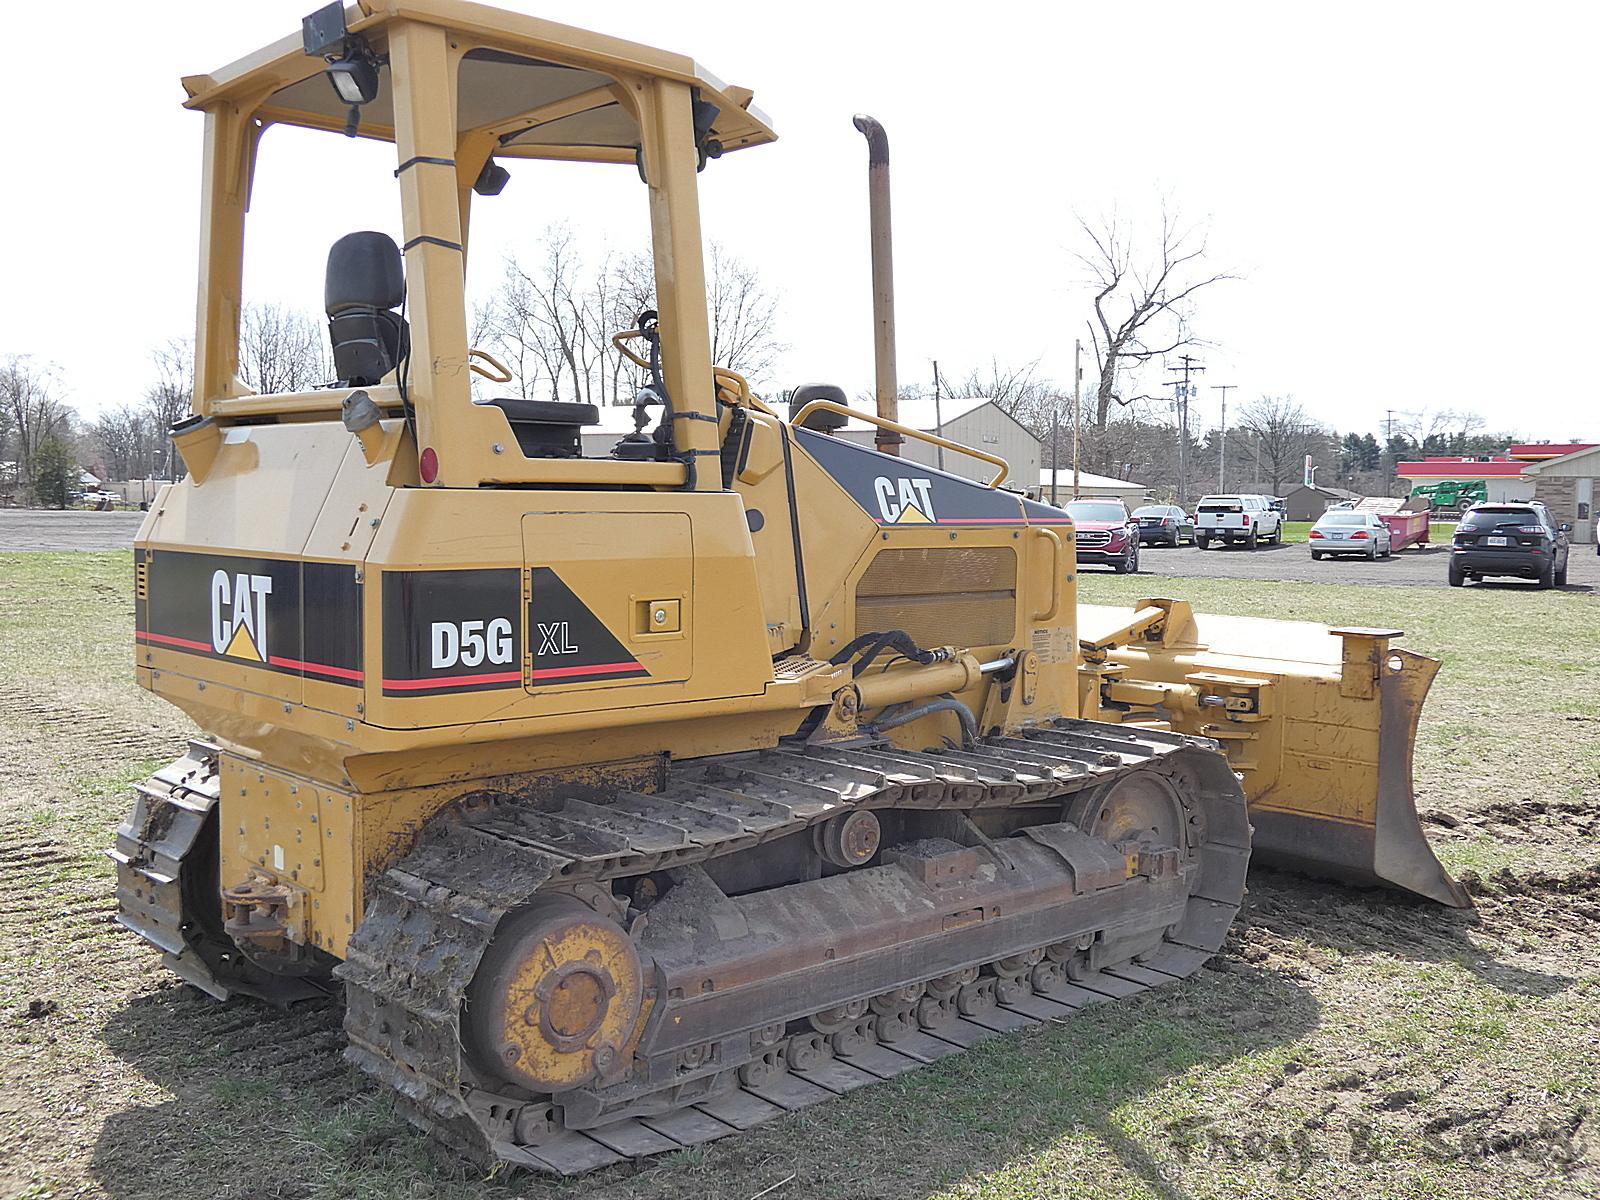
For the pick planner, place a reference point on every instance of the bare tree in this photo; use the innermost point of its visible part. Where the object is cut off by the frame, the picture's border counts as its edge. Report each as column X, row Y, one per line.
column 744, row 317
column 8, row 433
column 123, row 435
column 281, row 349
column 1143, row 299
column 1283, row 435
column 537, row 318
column 35, row 412
column 553, row 320
column 1015, row 389
column 168, row 400
column 1437, row 431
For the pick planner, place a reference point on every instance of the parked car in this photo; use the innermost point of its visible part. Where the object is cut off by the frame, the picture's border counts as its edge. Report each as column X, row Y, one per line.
column 1349, row 532
column 1164, row 523
column 1520, row 539
column 1341, row 504
column 1104, row 533
column 1250, row 519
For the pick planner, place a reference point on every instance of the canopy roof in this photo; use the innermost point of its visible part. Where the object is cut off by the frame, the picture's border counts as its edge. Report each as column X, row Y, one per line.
column 541, row 89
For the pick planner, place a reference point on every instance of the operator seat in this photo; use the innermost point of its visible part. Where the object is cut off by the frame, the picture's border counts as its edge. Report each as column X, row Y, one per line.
column 365, row 285
column 547, row 428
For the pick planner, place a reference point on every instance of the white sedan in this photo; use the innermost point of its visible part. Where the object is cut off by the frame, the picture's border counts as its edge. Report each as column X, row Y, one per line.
column 1346, row 532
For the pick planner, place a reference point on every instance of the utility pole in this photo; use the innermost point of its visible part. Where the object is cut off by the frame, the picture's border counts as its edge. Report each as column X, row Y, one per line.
column 1077, row 409
column 938, row 417
column 1390, row 478
column 1222, row 436
column 1183, row 390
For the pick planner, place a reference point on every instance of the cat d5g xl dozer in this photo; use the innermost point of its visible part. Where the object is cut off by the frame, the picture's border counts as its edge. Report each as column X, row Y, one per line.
column 636, row 799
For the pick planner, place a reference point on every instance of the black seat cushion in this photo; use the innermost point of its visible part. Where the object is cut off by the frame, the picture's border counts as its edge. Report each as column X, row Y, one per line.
column 548, row 428
column 368, row 343
column 365, row 282
column 547, row 412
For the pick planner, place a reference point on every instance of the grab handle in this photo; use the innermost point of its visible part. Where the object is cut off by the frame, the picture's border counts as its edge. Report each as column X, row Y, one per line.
column 1056, row 551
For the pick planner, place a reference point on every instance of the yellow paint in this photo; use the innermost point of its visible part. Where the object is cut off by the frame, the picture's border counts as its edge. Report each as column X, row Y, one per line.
column 757, row 582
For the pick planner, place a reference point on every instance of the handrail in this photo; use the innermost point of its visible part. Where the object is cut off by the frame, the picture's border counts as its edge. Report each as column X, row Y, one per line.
column 618, row 338
column 504, row 375
column 906, row 431
column 741, row 386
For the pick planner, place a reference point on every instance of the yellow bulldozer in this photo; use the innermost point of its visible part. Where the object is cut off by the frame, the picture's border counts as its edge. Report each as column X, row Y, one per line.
column 635, row 799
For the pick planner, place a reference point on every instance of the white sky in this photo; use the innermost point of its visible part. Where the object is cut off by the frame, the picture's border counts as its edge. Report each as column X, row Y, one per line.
column 1408, row 190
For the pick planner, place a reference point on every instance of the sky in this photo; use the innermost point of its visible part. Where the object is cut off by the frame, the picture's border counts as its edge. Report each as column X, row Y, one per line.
column 1404, row 191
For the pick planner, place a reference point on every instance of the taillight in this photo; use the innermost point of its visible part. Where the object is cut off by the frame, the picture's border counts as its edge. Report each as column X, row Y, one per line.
column 1359, row 534
column 1166, row 520
column 1316, row 533
column 1538, row 529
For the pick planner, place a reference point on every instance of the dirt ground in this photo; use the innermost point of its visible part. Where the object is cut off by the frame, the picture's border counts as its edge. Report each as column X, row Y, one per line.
column 68, row 529
column 1345, row 1043
column 1417, row 566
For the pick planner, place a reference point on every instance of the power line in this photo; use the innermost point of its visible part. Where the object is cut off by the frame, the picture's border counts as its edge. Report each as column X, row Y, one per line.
column 1184, row 390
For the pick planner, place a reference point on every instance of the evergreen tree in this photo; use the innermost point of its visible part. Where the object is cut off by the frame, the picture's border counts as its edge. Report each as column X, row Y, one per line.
column 54, row 473
column 1371, row 454
column 1349, row 453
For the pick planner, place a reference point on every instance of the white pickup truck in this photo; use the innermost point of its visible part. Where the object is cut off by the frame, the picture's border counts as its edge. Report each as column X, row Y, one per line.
column 1247, row 519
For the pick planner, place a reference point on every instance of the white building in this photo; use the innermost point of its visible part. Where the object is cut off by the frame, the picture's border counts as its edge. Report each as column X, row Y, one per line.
column 1090, row 487
column 973, row 421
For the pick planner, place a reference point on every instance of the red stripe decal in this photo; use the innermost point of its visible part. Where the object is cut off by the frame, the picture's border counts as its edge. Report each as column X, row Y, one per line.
column 163, row 639
column 592, row 669
column 448, row 681
column 320, row 668
column 294, row 664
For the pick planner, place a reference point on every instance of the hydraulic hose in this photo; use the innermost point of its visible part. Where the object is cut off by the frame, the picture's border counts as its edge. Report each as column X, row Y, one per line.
column 946, row 703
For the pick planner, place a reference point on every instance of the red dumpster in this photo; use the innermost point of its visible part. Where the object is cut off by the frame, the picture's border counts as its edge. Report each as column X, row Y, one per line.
column 1406, row 528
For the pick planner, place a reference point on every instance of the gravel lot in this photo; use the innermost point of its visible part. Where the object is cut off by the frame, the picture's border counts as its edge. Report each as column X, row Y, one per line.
column 1420, row 566
column 70, row 529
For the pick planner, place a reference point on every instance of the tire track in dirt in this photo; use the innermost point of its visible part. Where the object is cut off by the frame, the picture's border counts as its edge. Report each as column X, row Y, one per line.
column 95, row 731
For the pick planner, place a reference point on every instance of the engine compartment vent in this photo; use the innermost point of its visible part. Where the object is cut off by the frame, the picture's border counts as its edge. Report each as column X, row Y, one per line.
column 942, row 595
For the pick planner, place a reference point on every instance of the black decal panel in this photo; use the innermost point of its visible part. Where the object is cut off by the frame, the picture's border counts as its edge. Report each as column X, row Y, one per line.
column 570, row 644
column 897, row 491
column 283, row 615
column 1045, row 514
column 451, row 631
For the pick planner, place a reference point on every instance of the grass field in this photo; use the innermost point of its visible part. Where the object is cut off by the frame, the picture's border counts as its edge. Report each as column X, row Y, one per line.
column 1345, row 1043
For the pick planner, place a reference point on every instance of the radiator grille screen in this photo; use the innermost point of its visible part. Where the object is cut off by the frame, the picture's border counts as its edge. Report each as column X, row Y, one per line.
column 941, row 596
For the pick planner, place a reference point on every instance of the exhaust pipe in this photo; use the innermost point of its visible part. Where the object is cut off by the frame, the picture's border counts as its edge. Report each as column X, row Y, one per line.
column 882, row 279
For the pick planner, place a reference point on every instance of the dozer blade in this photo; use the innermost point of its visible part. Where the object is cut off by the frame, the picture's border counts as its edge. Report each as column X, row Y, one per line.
column 1320, row 723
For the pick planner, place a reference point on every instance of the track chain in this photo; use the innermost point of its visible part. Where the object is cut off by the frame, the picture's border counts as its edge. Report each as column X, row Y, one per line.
column 431, row 917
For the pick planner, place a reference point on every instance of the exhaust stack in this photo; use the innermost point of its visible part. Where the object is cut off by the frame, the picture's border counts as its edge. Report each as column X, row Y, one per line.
column 882, row 279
